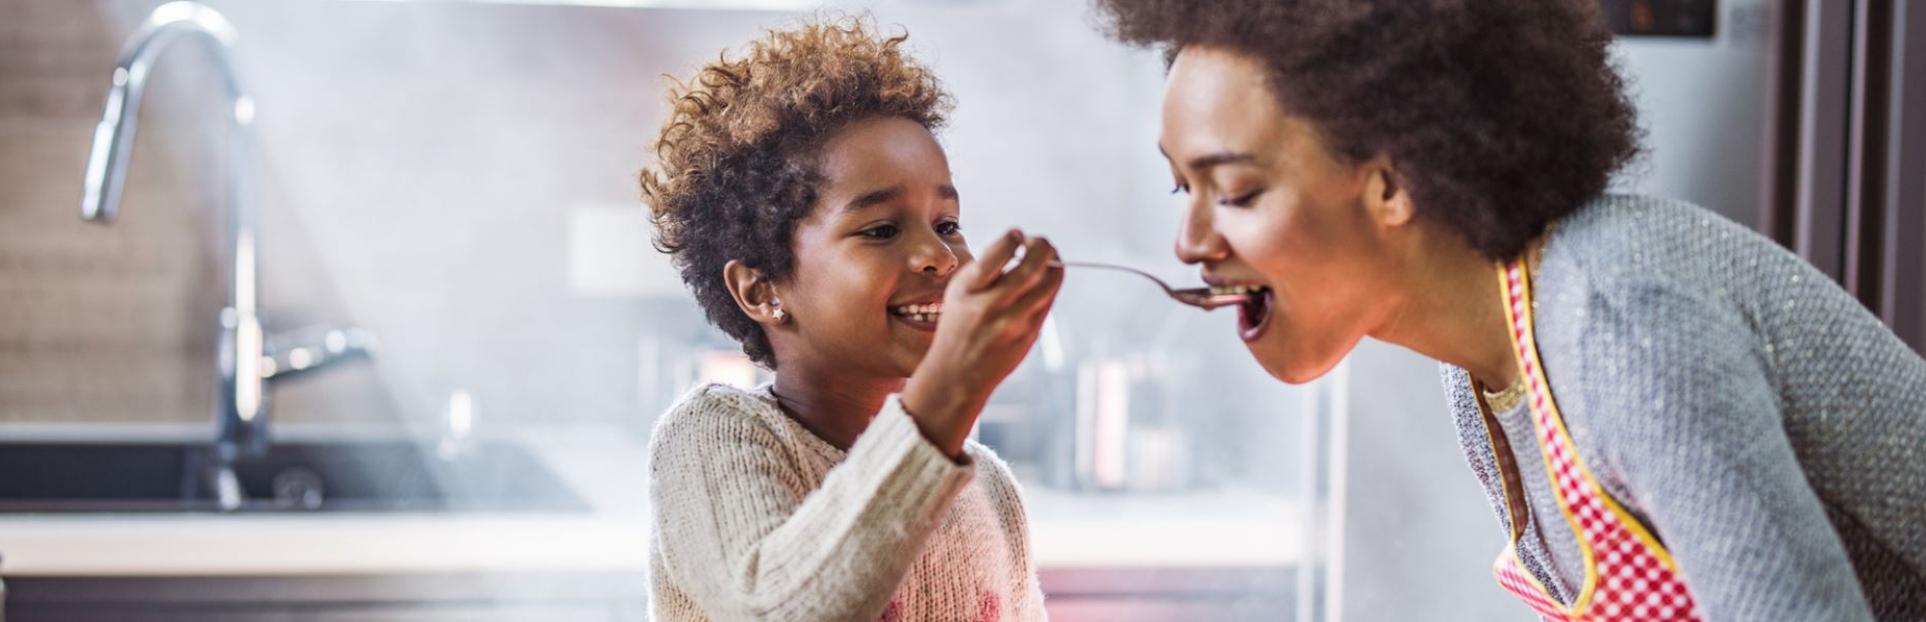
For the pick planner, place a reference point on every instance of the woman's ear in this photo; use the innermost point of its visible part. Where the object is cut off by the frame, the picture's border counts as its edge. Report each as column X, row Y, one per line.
column 1385, row 197
column 755, row 295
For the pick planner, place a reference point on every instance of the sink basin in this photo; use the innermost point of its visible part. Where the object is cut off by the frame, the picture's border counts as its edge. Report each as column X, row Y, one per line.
column 377, row 476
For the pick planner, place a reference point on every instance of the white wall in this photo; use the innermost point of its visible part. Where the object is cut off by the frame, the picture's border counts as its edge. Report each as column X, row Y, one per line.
column 1702, row 104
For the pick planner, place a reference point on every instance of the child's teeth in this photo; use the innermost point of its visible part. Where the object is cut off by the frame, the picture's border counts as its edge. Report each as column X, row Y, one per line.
column 921, row 313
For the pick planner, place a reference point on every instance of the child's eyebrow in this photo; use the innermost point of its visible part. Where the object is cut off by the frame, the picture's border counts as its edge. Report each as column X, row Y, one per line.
column 873, row 197
column 885, row 195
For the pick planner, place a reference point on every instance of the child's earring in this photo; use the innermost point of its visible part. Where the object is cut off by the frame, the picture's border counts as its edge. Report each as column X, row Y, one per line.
column 781, row 315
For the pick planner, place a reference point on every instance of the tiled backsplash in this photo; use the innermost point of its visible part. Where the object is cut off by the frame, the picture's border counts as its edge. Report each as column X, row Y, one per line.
column 118, row 323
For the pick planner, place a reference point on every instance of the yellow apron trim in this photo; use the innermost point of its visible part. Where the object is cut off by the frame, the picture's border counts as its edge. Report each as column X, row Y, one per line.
column 1637, row 529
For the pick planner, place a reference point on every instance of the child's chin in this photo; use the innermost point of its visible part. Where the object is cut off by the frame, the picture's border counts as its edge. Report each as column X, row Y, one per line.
column 912, row 354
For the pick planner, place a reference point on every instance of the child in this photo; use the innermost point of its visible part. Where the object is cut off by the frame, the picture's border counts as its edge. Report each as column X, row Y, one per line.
column 803, row 197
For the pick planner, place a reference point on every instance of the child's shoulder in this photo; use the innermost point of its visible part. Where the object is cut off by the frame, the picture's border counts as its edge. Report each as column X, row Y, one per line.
column 1005, row 495
column 715, row 412
column 992, row 469
column 716, row 397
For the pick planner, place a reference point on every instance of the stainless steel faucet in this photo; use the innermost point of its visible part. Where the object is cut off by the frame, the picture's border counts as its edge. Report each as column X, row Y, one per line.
column 247, row 358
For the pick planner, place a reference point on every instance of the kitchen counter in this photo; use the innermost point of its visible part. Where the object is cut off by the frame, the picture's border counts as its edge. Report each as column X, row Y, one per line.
column 1208, row 530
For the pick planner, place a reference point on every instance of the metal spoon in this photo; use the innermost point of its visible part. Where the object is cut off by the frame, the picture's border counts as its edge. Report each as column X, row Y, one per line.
column 1201, row 297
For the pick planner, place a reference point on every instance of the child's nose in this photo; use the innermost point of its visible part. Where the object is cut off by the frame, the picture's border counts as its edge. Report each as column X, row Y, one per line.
column 935, row 258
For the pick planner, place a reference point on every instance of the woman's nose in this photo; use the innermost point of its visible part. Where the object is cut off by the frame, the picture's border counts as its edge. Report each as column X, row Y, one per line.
column 1197, row 237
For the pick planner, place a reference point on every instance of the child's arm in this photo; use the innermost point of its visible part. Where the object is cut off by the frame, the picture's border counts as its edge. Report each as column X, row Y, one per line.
column 737, row 534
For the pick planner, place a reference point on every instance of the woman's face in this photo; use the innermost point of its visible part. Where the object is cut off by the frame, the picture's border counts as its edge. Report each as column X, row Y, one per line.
column 875, row 253
column 1269, row 205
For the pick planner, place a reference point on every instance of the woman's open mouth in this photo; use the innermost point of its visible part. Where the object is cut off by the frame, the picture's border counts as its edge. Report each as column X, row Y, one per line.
column 1254, row 313
column 918, row 316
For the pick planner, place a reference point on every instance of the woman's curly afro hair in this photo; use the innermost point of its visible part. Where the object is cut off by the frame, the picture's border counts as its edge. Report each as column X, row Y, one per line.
column 1500, row 116
column 736, row 163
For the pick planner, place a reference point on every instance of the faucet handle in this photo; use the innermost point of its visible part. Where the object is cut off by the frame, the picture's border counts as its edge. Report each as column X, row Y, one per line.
column 307, row 349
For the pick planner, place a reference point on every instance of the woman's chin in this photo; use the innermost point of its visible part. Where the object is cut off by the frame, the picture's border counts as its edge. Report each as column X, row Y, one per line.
column 1290, row 367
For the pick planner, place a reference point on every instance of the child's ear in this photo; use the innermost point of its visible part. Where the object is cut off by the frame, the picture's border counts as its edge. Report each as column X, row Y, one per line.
column 755, row 295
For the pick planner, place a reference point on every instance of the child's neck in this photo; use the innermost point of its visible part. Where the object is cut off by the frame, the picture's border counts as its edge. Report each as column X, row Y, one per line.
column 831, row 404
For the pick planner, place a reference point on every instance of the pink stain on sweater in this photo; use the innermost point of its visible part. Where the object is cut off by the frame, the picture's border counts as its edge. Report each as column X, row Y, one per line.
column 989, row 608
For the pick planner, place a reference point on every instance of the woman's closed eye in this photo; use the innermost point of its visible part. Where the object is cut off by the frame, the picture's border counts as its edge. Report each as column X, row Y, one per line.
column 1242, row 200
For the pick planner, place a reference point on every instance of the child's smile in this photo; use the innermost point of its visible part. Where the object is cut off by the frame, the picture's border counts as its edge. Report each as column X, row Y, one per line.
column 919, row 315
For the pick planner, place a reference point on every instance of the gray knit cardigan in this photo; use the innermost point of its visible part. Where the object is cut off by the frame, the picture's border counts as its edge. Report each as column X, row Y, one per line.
column 1767, row 428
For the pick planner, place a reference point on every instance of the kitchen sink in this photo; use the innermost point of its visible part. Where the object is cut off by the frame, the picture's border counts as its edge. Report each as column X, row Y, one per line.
column 295, row 476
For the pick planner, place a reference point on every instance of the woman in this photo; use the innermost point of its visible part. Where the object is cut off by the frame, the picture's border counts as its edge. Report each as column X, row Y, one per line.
column 801, row 193
column 1674, row 418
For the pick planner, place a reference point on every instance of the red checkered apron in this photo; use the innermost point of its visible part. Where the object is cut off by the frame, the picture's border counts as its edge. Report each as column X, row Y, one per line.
column 1628, row 574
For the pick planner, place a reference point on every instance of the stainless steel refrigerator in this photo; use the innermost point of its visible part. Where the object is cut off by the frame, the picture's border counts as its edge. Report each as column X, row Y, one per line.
column 1844, row 180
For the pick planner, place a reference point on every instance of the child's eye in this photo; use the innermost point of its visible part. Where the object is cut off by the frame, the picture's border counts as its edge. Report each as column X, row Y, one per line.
column 948, row 228
column 880, row 232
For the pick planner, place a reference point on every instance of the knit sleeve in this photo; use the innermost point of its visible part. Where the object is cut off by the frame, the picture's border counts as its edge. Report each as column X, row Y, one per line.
column 736, row 534
column 1677, row 399
column 1025, row 593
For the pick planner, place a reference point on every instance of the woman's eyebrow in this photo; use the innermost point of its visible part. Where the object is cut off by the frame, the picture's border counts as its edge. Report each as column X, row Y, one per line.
column 1206, row 162
column 1218, row 159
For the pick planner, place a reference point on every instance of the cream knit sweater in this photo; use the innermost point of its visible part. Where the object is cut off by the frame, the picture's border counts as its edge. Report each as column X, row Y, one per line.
column 755, row 518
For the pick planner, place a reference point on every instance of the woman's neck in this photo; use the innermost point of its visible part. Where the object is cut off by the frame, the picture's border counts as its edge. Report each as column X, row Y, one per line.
column 1453, row 310
column 829, row 402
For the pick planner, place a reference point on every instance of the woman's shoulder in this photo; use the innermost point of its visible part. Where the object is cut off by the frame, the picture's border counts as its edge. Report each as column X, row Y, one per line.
column 1641, row 241
column 1654, row 273
column 1641, row 302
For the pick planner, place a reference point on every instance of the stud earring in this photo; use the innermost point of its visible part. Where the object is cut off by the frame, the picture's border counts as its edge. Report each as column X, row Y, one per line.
column 781, row 315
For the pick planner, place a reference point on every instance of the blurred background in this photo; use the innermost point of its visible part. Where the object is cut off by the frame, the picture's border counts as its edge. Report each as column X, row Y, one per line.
column 467, row 338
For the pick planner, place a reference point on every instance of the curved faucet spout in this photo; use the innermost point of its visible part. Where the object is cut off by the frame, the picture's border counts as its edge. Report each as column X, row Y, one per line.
column 114, row 136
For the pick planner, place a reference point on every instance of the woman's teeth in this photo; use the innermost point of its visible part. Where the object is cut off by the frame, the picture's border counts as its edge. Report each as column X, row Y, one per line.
column 920, row 313
column 1235, row 290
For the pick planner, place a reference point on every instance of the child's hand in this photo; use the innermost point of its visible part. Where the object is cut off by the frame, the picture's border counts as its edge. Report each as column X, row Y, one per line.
column 990, row 319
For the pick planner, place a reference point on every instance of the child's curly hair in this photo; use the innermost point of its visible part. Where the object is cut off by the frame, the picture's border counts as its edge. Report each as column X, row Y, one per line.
column 736, row 163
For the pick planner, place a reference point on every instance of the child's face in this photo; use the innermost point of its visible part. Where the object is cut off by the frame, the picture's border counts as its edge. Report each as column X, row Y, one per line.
column 881, row 242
